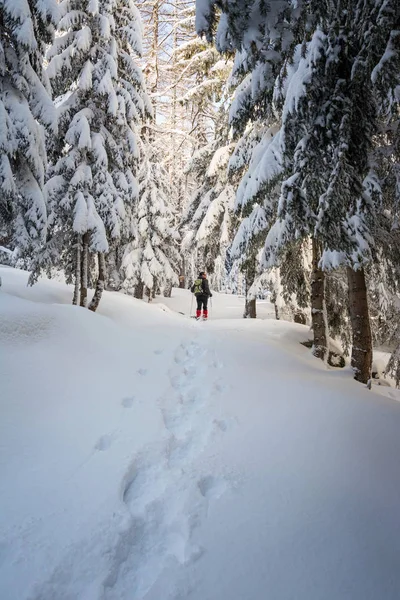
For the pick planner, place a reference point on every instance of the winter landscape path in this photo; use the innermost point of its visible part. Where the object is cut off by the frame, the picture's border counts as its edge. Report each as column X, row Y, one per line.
column 146, row 456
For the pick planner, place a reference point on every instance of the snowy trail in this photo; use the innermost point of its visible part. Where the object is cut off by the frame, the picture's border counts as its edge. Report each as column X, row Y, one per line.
column 149, row 457
column 164, row 498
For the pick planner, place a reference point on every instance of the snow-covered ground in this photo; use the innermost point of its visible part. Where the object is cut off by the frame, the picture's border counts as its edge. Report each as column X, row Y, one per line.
column 148, row 456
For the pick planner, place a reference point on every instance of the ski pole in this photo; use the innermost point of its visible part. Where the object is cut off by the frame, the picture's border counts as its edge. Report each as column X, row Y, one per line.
column 191, row 306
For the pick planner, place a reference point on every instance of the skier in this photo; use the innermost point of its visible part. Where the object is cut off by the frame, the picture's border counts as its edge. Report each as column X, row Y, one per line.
column 201, row 290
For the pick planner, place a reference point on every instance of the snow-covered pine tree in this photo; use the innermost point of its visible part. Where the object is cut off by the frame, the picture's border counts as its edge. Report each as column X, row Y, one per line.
column 101, row 98
column 384, row 276
column 26, row 112
column 208, row 220
column 255, row 157
column 326, row 130
column 256, row 66
column 200, row 76
column 166, row 26
column 151, row 260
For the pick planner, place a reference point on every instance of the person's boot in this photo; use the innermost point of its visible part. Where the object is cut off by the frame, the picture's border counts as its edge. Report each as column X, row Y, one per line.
column 205, row 315
column 198, row 314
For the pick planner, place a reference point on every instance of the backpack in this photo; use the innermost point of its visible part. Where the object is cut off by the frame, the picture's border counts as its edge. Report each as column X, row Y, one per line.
column 198, row 287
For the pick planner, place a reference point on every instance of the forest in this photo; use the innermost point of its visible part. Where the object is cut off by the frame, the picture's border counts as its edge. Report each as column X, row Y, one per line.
column 259, row 141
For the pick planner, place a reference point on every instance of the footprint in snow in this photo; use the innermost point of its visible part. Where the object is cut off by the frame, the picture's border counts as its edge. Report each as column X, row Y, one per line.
column 142, row 372
column 158, row 351
column 104, row 442
column 218, row 387
column 225, row 424
column 212, row 487
column 128, row 402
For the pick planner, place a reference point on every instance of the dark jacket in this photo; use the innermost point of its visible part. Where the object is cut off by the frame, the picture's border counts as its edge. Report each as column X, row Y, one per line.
column 206, row 288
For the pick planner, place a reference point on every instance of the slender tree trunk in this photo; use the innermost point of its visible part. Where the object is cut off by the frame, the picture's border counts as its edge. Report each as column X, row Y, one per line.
column 138, row 292
column 173, row 173
column 277, row 317
column 167, row 290
column 182, row 276
column 250, row 305
column 77, row 270
column 101, row 279
column 276, row 289
column 361, row 355
column 318, row 308
column 251, row 309
column 113, row 269
column 84, row 269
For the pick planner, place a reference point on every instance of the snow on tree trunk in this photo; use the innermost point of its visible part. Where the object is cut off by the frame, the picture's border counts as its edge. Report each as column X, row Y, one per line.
column 113, row 266
column 84, row 269
column 93, row 306
column 318, row 308
column 167, row 291
column 361, row 355
column 78, row 259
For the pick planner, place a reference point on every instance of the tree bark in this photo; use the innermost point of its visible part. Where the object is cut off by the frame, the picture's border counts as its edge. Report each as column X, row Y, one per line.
column 182, row 276
column 361, row 354
column 84, row 269
column 318, row 307
column 138, row 292
column 101, row 279
column 251, row 304
column 77, row 270
column 167, row 290
column 300, row 317
column 113, row 270
column 250, row 311
column 277, row 317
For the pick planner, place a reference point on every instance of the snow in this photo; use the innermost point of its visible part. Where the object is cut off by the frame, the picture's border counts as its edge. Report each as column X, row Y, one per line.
column 148, row 456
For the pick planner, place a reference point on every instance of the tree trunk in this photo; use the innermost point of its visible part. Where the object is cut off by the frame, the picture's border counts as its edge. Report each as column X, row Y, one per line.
column 318, row 308
column 251, row 304
column 113, row 270
column 250, row 309
column 138, row 292
column 300, row 317
column 361, row 355
column 77, row 270
column 167, row 290
column 182, row 276
column 277, row 317
column 101, row 279
column 84, row 269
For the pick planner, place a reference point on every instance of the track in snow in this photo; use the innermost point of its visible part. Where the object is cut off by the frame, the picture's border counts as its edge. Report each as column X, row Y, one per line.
column 165, row 502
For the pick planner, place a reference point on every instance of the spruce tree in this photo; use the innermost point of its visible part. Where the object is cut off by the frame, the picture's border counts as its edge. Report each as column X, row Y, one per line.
column 26, row 114
column 101, row 100
column 316, row 64
column 208, row 220
column 151, row 259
